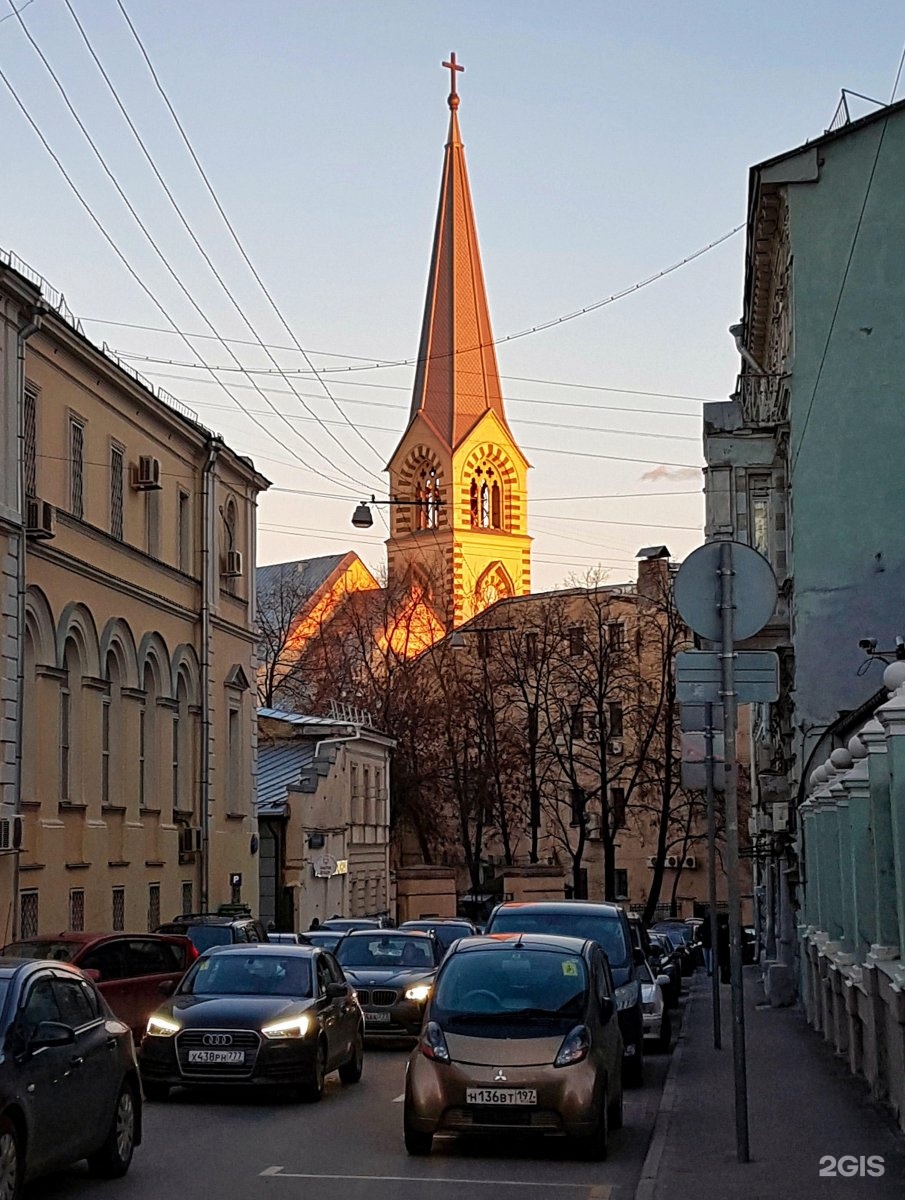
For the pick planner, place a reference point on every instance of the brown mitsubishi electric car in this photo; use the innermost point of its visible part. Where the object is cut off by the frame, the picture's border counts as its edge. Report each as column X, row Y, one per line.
column 520, row 1034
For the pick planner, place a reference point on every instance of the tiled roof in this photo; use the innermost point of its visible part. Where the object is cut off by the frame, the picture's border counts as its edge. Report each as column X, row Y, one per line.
column 278, row 767
column 305, row 574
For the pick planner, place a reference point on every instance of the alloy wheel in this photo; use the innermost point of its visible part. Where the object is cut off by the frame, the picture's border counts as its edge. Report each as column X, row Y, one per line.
column 125, row 1124
column 9, row 1165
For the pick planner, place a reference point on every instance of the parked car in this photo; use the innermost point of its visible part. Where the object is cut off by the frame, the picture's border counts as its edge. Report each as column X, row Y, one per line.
column 666, row 960
column 445, row 929
column 250, row 1016
column 603, row 923
column 749, row 944
column 327, row 939
column 346, row 924
column 216, row 929
column 130, row 969
column 681, row 937
column 392, row 972
column 52, row 1019
column 519, row 1033
column 657, row 1022
column 288, row 939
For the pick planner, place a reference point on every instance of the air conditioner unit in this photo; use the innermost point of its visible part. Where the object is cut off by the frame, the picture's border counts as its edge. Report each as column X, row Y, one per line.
column 40, row 519
column 146, row 474
column 652, row 861
column 10, row 833
column 672, row 861
column 232, row 567
column 690, row 861
column 615, row 745
column 189, row 840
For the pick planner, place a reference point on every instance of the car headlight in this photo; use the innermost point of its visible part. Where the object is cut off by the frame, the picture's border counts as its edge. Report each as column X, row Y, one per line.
column 419, row 992
column 293, row 1027
column 627, row 995
column 162, row 1027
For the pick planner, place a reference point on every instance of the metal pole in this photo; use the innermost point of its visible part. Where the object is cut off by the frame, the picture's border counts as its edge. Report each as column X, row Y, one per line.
column 711, row 866
column 730, row 714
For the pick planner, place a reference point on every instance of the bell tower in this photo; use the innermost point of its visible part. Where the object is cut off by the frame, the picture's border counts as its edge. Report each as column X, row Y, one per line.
column 461, row 529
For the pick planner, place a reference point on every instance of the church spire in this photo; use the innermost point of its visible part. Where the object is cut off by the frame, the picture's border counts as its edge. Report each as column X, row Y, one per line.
column 457, row 379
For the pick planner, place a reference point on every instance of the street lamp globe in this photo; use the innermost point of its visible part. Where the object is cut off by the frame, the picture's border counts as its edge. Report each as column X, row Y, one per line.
column 362, row 518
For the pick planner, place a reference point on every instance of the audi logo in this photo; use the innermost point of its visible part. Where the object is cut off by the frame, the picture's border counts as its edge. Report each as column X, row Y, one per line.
column 217, row 1039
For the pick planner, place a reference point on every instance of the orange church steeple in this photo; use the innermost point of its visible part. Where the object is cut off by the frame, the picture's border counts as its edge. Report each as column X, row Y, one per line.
column 465, row 530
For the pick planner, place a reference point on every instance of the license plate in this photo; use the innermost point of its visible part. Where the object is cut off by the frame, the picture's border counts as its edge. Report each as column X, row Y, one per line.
column 501, row 1096
column 377, row 1018
column 217, row 1056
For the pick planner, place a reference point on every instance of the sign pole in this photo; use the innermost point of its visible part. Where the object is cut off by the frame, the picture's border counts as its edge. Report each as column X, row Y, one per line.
column 711, row 863
column 730, row 724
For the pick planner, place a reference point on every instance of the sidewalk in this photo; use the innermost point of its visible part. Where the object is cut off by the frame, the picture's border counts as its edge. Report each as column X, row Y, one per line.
column 802, row 1103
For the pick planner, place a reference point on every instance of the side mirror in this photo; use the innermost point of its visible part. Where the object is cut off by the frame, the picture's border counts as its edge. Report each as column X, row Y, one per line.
column 336, row 991
column 607, row 1008
column 166, row 987
column 663, row 980
column 51, row 1033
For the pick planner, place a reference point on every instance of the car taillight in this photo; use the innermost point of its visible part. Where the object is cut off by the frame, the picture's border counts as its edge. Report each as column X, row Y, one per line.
column 574, row 1048
column 433, row 1043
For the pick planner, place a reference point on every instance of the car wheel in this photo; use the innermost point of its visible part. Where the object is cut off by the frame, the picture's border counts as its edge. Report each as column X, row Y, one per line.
column 113, row 1158
column 313, row 1091
column 664, row 1042
column 155, row 1091
column 595, row 1147
column 633, row 1068
column 11, row 1161
column 417, row 1143
column 350, row 1072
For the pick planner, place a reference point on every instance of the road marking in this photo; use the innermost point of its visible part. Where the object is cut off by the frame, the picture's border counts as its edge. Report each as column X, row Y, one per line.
column 398, row 1099
column 593, row 1191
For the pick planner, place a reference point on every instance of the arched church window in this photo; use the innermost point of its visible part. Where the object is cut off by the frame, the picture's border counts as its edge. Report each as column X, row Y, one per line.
column 486, row 499
column 427, row 498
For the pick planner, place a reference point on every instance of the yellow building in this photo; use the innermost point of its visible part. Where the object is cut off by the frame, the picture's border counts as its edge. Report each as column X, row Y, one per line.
column 136, row 644
column 460, row 525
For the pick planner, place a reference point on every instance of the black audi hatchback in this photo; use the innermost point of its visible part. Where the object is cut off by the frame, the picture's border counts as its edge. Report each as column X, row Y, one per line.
column 252, row 1015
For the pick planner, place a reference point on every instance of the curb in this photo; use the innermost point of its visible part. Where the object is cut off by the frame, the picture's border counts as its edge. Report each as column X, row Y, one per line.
column 646, row 1189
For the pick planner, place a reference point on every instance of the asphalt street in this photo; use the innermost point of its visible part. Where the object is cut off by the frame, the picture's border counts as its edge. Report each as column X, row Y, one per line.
column 241, row 1146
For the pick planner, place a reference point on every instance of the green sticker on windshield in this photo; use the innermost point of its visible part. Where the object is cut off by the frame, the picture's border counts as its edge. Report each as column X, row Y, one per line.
column 569, row 967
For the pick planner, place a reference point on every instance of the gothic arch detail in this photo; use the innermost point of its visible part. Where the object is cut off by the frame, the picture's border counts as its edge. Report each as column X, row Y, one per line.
column 493, row 584
column 490, row 480
column 421, row 480
column 117, row 640
column 39, row 624
column 77, row 625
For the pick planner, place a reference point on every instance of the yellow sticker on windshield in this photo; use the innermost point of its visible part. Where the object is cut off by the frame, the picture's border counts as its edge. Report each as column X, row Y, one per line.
column 204, row 966
column 569, row 967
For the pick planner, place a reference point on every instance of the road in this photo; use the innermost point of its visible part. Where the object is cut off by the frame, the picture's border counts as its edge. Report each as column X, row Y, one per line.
column 237, row 1146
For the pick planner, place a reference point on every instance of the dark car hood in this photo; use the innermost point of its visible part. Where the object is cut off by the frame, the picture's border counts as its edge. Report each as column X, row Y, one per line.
column 232, row 1012
column 387, row 977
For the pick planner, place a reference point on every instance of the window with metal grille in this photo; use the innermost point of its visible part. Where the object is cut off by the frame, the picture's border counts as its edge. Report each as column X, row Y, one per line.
column 105, row 750
column 188, row 889
column 176, row 789
column 576, row 640
column 116, row 492
column 234, row 749
column 28, row 915
column 185, row 533
column 119, row 909
column 31, row 437
column 152, row 523
column 153, row 906
column 617, row 635
column 76, row 468
column 76, row 909
column 142, row 772
column 65, row 736
column 616, row 720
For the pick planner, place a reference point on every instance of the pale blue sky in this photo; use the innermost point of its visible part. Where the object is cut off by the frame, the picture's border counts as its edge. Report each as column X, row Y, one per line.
column 604, row 142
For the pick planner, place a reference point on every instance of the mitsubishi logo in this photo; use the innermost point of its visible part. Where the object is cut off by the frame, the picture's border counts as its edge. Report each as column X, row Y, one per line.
column 499, row 1077
column 217, row 1039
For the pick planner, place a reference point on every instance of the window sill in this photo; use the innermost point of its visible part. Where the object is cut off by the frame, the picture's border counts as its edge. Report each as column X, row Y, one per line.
column 155, row 862
column 118, row 862
column 149, row 812
column 121, row 808
column 235, row 816
column 78, row 866
column 31, row 866
column 29, row 804
column 72, row 806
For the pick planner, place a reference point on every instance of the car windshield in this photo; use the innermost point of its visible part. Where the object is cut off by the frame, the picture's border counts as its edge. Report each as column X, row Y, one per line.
column 58, row 951
column 381, row 952
column 674, row 935
column 598, row 927
column 249, row 975
column 445, row 934
column 204, row 936
column 328, row 939
column 345, row 924
column 511, row 992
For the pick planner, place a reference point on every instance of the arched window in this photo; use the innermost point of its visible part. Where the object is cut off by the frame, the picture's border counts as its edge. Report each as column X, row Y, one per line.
column 111, row 729
column 147, row 742
column 486, row 498
column 71, row 726
column 427, row 497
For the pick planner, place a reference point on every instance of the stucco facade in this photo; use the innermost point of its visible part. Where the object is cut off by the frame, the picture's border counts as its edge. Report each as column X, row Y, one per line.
column 136, row 781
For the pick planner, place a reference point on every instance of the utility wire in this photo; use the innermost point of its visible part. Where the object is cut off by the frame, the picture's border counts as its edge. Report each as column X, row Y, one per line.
column 107, row 237
column 895, row 86
column 198, row 246
column 220, row 209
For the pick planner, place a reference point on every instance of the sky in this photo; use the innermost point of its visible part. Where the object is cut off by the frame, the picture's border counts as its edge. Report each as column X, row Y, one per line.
column 605, row 143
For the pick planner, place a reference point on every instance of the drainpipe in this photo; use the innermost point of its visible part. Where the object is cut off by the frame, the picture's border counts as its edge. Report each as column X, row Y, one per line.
column 24, row 332
column 738, row 334
column 208, row 580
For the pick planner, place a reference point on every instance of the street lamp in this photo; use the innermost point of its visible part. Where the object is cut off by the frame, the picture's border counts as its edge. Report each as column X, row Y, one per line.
column 363, row 518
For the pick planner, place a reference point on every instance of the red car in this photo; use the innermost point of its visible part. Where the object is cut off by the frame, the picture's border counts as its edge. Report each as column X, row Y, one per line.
column 133, row 971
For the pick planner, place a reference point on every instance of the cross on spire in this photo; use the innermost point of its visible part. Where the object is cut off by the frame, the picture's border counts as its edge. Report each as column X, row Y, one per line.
column 452, row 66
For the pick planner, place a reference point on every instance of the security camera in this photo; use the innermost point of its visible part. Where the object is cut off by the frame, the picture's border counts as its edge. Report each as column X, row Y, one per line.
column 868, row 645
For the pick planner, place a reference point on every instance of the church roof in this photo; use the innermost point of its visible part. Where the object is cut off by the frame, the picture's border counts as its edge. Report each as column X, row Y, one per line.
column 307, row 574
column 457, row 379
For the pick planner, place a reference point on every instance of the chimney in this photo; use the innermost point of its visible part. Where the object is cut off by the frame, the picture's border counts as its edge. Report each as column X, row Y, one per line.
column 653, row 572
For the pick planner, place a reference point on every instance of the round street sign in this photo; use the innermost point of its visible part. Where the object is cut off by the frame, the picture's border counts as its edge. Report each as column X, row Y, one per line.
column 697, row 591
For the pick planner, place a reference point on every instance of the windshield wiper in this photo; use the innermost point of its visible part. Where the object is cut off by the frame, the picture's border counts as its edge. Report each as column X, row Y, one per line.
column 518, row 1014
